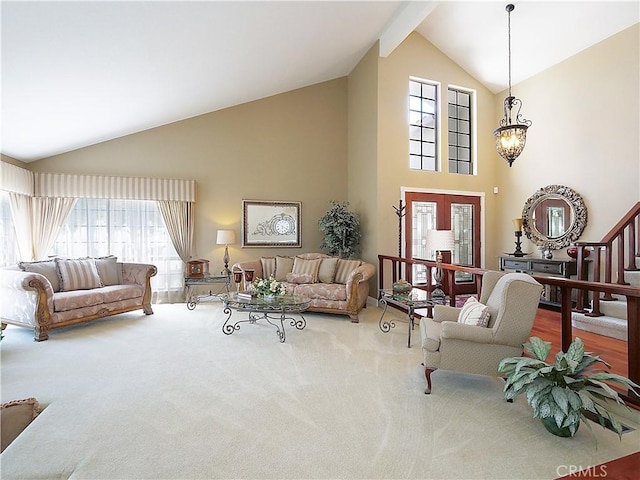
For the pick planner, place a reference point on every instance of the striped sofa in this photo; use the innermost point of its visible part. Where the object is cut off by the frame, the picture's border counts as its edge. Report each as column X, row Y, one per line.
column 61, row 292
column 334, row 285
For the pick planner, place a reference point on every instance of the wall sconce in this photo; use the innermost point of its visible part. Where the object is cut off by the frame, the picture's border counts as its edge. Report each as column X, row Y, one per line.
column 511, row 135
column 517, row 225
column 226, row 238
column 439, row 241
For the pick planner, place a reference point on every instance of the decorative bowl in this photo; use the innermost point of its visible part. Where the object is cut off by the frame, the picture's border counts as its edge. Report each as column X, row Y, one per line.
column 573, row 252
column 402, row 286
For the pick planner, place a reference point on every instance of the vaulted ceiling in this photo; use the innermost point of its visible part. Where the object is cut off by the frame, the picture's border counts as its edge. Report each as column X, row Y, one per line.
column 79, row 73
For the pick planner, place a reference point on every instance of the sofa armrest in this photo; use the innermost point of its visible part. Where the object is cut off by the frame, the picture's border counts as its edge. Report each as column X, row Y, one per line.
column 25, row 298
column 445, row 313
column 140, row 274
column 358, row 286
column 469, row 333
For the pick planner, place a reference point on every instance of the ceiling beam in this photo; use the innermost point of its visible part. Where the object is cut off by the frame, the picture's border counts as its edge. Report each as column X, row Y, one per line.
column 404, row 22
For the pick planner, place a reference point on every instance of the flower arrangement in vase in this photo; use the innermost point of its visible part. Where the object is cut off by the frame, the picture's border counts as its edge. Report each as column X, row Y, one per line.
column 268, row 287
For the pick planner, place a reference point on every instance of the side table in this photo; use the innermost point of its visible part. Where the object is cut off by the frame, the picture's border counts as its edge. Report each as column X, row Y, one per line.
column 191, row 282
column 410, row 302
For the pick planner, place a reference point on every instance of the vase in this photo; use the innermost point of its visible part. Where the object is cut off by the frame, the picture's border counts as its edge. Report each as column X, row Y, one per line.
column 269, row 297
column 551, row 426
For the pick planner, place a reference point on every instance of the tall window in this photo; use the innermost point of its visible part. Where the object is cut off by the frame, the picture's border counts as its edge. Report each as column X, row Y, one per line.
column 423, row 125
column 460, row 128
column 8, row 239
column 132, row 230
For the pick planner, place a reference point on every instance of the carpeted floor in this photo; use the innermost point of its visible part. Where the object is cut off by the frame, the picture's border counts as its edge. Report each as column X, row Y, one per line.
column 170, row 396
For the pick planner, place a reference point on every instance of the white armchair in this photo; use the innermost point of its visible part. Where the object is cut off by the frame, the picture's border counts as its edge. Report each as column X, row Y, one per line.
column 512, row 299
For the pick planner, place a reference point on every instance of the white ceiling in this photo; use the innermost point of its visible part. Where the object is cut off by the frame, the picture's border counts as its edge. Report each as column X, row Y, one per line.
column 78, row 73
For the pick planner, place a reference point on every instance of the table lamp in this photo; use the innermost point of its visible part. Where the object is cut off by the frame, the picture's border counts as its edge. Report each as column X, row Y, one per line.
column 439, row 241
column 517, row 225
column 226, row 238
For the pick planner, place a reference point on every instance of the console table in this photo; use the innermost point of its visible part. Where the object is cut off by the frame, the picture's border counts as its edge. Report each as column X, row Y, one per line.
column 190, row 282
column 542, row 266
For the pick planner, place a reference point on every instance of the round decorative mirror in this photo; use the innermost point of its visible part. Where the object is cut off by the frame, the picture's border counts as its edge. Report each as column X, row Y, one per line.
column 554, row 216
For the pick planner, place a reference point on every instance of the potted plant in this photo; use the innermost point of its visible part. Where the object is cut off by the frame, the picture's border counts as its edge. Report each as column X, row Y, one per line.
column 567, row 391
column 341, row 229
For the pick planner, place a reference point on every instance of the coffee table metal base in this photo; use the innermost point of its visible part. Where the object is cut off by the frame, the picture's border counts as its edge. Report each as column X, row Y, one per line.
column 274, row 320
column 275, row 312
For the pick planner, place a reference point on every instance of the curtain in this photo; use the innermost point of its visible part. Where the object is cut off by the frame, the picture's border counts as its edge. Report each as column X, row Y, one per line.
column 21, row 215
column 179, row 220
column 49, row 215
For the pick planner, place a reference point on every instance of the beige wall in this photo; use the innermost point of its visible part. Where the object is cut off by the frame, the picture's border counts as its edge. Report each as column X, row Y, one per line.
column 585, row 135
column 13, row 161
column 289, row 147
column 418, row 58
column 363, row 148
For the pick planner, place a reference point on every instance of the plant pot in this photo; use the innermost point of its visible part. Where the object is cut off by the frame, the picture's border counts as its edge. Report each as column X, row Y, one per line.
column 550, row 424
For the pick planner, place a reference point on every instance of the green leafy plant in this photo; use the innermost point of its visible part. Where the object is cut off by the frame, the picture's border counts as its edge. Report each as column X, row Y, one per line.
column 565, row 392
column 341, row 230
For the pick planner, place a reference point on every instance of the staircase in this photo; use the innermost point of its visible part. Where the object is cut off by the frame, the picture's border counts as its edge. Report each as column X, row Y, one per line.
column 607, row 314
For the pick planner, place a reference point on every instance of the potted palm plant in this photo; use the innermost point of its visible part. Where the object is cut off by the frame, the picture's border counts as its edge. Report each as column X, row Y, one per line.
column 567, row 391
column 341, row 229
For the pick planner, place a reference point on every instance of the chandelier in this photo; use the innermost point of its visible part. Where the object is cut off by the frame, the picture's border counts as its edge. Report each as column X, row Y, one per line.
column 511, row 135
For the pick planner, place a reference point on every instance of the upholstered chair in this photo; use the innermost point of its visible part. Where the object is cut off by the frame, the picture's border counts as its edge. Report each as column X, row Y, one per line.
column 511, row 300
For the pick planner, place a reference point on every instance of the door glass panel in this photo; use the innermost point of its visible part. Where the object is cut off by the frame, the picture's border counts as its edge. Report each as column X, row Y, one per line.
column 423, row 219
column 462, row 226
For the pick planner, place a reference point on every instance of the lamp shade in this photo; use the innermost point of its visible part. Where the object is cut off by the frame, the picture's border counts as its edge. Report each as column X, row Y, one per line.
column 439, row 240
column 226, row 237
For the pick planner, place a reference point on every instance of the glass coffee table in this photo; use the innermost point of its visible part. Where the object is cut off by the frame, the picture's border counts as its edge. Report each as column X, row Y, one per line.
column 274, row 311
column 409, row 302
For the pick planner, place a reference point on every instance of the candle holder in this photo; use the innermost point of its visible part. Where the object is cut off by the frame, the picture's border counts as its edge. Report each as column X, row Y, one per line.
column 518, row 251
column 248, row 278
column 237, row 278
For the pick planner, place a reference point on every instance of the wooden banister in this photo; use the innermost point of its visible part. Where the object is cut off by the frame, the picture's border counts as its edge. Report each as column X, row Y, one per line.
column 566, row 287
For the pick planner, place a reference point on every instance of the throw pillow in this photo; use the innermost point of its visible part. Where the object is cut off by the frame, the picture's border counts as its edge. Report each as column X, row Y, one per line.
column 327, row 270
column 344, row 269
column 474, row 313
column 78, row 274
column 284, row 265
column 47, row 268
column 303, row 265
column 107, row 269
column 299, row 278
column 268, row 266
column 14, row 418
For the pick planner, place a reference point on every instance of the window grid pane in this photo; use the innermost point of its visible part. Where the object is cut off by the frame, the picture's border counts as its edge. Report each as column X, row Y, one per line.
column 459, row 121
column 423, row 136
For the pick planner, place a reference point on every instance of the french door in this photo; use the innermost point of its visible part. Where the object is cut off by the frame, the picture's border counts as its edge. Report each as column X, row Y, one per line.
column 459, row 213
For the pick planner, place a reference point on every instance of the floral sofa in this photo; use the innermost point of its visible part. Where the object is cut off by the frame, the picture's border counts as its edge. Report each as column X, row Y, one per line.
column 334, row 285
column 61, row 292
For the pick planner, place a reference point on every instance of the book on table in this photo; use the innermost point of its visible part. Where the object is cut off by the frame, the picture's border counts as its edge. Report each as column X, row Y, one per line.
column 245, row 294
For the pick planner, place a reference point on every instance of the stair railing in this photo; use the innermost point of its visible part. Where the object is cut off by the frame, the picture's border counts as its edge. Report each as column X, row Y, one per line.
column 625, row 232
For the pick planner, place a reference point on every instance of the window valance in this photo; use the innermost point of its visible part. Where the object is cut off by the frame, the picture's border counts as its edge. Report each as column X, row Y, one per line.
column 130, row 188
column 15, row 179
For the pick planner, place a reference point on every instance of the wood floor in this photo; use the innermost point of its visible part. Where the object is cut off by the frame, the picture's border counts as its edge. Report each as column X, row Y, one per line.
column 612, row 351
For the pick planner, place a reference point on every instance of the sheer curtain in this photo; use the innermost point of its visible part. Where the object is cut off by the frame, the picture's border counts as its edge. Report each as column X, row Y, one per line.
column 49, row 214
column 21, row 215
column 178, row 218
column 133, row 231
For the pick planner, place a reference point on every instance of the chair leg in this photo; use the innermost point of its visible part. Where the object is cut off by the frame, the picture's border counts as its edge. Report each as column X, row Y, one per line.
column 427, row 374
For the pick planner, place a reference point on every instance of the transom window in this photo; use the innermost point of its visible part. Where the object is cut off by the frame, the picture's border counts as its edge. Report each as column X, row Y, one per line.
column 423, row 125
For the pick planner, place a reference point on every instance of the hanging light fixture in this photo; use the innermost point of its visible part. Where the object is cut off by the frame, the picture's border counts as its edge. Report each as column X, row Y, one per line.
column 512, row 133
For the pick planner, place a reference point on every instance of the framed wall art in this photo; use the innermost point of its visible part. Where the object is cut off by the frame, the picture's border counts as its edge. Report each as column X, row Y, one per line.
column 270, row 223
